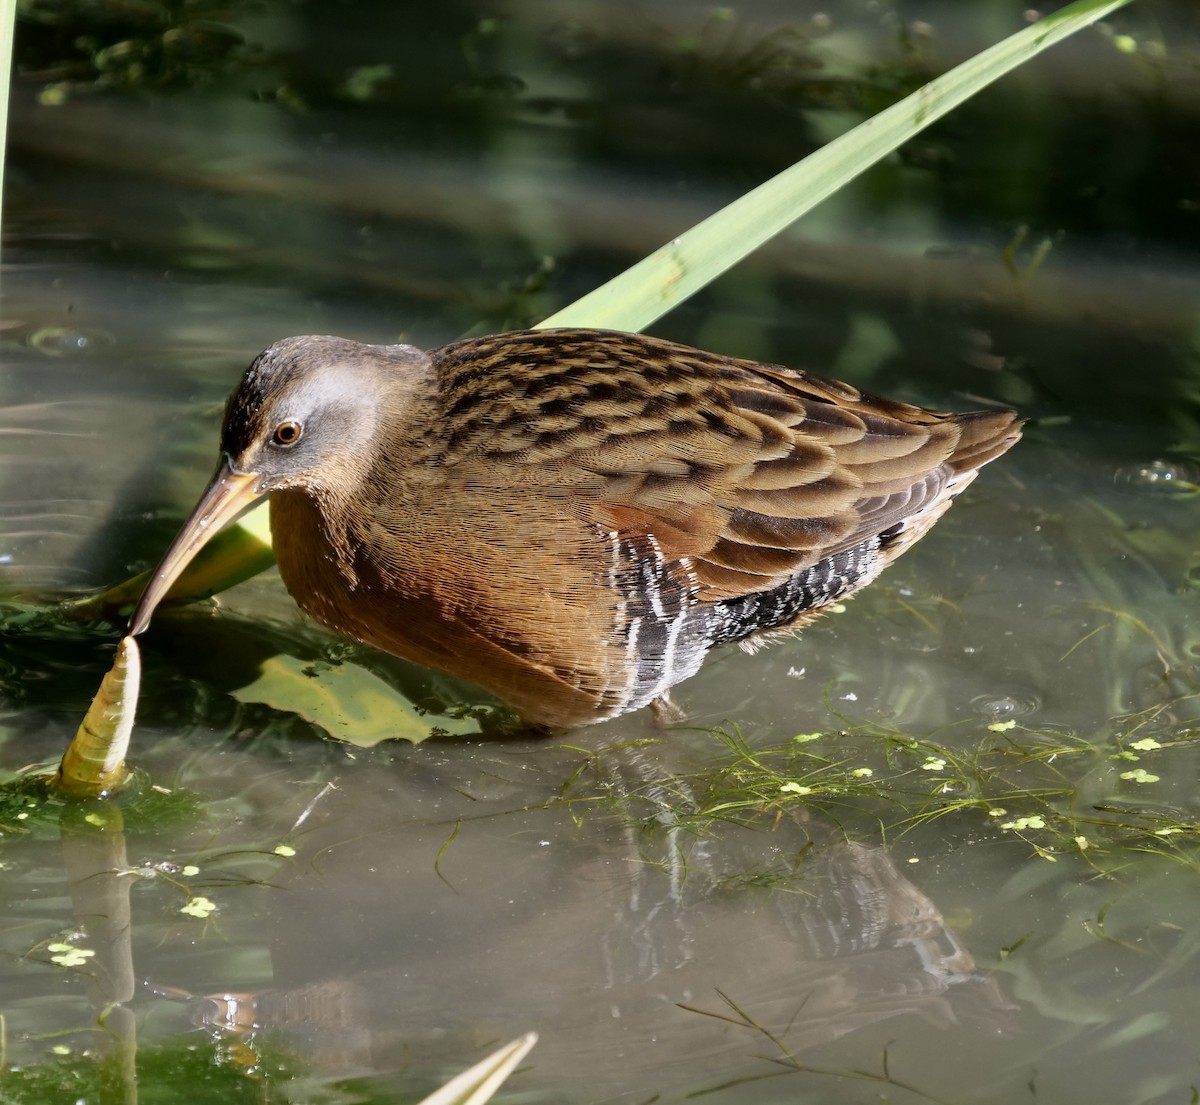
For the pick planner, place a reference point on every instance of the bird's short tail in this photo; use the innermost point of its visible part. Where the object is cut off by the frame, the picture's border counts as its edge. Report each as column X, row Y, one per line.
column 984, row 436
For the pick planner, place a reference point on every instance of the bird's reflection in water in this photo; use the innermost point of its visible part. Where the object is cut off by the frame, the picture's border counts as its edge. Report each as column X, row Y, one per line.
column 663, row 939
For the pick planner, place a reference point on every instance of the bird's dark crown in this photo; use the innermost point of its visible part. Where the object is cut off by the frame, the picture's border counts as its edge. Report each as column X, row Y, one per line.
column 306, row 376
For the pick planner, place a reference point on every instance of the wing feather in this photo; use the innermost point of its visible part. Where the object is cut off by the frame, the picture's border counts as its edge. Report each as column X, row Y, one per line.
column 750, row 472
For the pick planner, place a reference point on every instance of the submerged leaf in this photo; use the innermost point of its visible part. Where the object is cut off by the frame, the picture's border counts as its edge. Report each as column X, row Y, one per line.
column 345, row 700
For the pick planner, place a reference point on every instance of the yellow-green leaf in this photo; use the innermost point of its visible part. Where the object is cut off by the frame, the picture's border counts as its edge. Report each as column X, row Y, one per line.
column 234, row 555
column 94, row 764
column 345, row 700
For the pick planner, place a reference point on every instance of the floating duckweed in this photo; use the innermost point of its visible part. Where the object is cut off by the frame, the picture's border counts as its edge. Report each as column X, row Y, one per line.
column 1127, row 44
column 1139, row 775
column 978, row 782
column 1002, row 726
column 836, row 608
column 190, row 870
column 1023, row 823
column 199, row 907
column 1146, row 744
column 284, row 850
column 67, row 955
column 61, row 1049
column 914, row 859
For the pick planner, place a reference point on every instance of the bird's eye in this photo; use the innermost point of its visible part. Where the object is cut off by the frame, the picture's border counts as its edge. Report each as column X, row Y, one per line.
column 287, row 433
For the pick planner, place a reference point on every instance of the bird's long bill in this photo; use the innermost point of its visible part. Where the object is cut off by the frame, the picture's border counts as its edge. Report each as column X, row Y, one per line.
column 226, row 496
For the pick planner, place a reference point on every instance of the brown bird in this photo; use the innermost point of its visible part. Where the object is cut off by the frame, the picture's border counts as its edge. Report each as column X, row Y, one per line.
column 572, row 519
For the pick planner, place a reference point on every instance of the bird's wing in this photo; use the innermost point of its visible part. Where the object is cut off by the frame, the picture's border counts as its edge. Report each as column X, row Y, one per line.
column 750, row 472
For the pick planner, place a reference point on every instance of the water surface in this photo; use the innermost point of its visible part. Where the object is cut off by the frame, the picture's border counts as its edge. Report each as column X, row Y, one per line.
column 941, row 848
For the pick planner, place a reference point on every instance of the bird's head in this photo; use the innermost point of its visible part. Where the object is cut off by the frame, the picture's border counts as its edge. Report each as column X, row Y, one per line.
column 305, row 415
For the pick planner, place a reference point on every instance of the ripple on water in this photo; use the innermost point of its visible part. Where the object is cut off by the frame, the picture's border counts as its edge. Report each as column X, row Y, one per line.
column 63, row 341
column 1003, row 705
column 1159, row 476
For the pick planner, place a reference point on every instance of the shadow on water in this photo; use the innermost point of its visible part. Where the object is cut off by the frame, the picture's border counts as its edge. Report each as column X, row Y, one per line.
column 942, row 848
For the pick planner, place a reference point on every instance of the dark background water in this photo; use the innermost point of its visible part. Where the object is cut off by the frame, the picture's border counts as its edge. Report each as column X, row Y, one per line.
column 189, row 182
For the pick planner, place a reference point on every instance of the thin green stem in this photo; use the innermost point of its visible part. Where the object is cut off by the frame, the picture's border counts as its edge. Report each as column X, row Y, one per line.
column 8, row 31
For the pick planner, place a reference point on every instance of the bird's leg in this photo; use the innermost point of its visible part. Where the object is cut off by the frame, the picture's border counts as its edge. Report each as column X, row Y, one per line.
column 666, row 711
column 505, row 725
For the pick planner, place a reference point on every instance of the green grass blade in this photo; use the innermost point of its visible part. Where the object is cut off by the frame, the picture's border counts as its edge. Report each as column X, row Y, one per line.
column 682, row 267
column 8, row 30
column 477, row 1085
